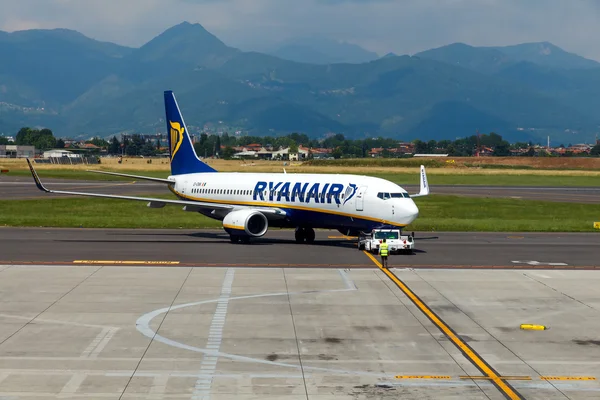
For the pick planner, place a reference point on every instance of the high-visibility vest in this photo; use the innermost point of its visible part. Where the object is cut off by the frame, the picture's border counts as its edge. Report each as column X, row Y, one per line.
column 383, row 249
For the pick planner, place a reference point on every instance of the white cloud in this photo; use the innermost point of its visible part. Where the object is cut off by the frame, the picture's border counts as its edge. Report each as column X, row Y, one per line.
column 401, row 26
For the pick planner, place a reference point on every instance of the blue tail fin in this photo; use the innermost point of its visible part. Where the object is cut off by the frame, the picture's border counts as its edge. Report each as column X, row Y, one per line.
column 183, row 157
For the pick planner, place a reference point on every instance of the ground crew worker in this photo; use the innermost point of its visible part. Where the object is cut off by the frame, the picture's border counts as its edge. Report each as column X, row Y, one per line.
column 383, row 252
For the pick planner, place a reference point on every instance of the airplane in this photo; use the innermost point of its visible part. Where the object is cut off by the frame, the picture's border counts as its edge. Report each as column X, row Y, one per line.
column 249, row 203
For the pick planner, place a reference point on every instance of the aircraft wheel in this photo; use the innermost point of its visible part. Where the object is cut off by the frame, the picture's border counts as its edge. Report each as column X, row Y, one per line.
column 309, row 234
column 300, row 235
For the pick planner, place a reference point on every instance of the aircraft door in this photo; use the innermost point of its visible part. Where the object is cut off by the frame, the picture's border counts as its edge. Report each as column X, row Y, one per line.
column 360, row 198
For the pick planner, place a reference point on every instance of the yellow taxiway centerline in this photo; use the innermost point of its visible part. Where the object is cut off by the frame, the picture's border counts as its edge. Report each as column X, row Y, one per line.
column 508, row 391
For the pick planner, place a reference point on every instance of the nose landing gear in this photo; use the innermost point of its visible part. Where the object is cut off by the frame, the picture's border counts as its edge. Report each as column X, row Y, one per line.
column 305, row 234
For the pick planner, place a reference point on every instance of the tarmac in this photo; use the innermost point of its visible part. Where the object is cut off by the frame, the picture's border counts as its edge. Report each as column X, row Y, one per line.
column 23, row 187
column 180, row 314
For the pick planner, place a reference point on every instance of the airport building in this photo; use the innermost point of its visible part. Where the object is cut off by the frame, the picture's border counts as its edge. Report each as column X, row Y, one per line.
column 60, row 153
column 16, row 151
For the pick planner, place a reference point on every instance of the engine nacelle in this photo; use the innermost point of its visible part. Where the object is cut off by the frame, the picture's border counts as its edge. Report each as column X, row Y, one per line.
column 246, row 223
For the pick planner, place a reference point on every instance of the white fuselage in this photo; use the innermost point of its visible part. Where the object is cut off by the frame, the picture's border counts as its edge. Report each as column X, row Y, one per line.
column 341, row 202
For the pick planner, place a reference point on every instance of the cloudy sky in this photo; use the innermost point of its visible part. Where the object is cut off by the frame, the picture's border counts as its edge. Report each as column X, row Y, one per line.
column 401, row 26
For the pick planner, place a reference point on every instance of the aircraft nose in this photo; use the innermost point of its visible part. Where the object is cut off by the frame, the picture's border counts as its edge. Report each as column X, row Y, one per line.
column 412, row 211
column 409, row 213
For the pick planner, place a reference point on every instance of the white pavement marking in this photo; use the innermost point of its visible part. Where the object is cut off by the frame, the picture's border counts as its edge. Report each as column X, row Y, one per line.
column 539, row 263
column 3, row 376
column 88, row 350
column 127, row 373
column 54, row 321
column 72, row 386
column 143, row 326
column 159, row 386
column 215, row 336
column 349, row 283
column 103, row 342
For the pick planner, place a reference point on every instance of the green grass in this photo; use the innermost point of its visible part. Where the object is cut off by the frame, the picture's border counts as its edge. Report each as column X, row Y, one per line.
column 98, row 213
column 457, row 213
column 399, row 178
column 437, row 213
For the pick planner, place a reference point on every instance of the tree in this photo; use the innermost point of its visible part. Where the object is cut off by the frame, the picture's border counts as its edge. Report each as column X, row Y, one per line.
column 530, row 152
column 431, row 146
column 502, row 149
column 228, row 152
column 217, row 145
column 114, row 147
column 148, row 149
column 595, row 150
column 45, row 142
column 96, row 141
column 293, row 147
column 3, row 140
column 60, row 144
column 420, row 147
column 23, row 137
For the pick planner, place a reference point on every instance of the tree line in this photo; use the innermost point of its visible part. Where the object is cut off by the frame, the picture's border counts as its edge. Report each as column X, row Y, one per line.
column 222, row 145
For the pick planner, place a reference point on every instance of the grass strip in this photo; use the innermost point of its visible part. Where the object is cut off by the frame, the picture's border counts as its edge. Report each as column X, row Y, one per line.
column 437, row 213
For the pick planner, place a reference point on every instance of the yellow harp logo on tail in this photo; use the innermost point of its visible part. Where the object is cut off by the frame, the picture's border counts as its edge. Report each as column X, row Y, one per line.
column 176, row 137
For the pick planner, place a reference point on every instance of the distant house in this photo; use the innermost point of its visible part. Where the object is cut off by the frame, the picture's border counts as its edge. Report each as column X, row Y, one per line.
column 284, row 154
column 320, row 153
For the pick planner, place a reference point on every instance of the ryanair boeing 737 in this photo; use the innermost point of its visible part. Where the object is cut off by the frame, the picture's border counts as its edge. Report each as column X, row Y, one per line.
column 248, row 203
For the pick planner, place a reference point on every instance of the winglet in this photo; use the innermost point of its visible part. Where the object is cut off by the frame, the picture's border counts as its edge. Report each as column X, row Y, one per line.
column 36, row 178
column 423, row 184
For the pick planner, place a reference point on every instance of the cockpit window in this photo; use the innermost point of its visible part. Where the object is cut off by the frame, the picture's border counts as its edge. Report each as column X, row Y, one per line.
column 386, row 235
column 383, row 196
column 400, row 195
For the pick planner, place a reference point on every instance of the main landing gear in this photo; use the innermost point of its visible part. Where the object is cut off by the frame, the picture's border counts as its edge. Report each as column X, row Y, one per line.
column 238, row 239
column 305, row 234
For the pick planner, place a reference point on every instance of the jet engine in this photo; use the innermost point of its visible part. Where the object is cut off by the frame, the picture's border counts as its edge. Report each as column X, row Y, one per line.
column 248, row 223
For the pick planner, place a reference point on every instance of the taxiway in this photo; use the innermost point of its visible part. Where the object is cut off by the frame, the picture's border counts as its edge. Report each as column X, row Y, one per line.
column 177, row 314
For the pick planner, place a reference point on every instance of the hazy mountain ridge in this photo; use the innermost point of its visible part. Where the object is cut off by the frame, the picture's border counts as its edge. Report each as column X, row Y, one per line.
column 88, row 87
column 319, row 50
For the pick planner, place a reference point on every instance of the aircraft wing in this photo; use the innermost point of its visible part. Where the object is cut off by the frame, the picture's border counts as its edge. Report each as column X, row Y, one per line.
column 423, row 184
column 148, row 178
column 158, row 203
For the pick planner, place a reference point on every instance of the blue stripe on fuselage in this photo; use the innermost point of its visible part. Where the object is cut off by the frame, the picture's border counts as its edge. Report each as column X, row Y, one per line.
column 324, row 220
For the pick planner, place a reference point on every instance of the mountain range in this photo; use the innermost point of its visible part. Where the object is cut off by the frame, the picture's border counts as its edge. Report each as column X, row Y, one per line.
column 81, row 87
